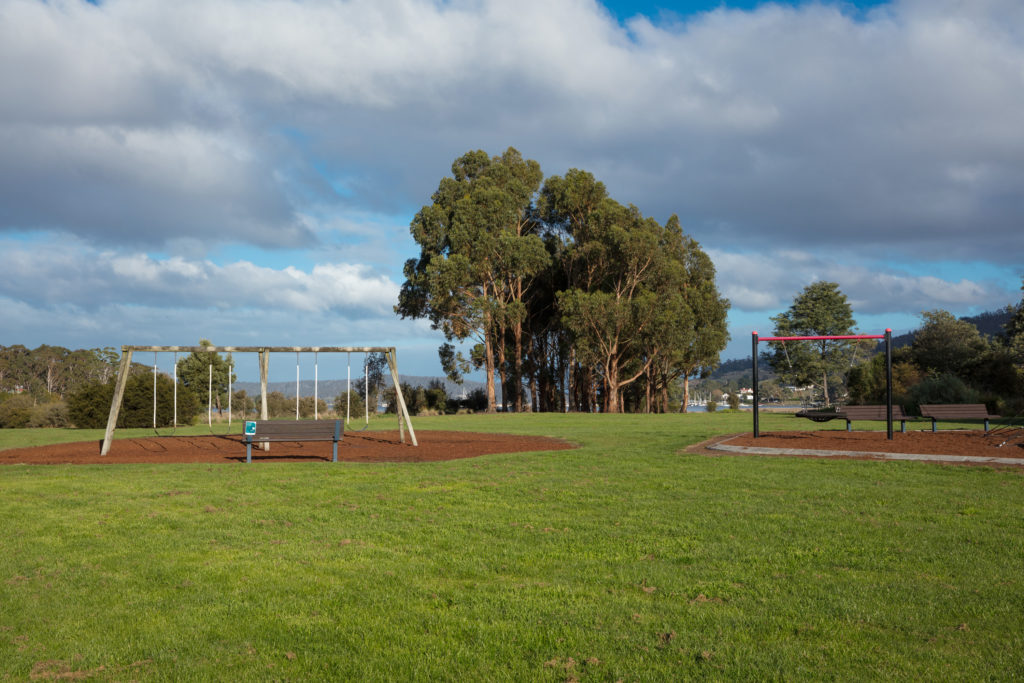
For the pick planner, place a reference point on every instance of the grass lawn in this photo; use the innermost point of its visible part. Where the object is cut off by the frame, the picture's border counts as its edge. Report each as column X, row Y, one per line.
column 623, row 559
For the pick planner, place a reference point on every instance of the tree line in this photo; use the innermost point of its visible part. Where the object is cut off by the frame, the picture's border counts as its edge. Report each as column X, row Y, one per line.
column 561, row 292
column 948, row 361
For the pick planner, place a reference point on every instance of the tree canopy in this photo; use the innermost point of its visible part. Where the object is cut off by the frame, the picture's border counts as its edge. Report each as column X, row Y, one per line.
column 561, row 289
column 821, row 309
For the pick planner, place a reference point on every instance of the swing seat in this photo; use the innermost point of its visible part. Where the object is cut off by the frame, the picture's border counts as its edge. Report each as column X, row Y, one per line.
column 266, row 431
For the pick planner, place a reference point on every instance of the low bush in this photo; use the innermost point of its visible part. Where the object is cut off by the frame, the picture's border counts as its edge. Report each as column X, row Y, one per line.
column 16, row 411
column 89, row 407
column 944, row 388
column 50, row 415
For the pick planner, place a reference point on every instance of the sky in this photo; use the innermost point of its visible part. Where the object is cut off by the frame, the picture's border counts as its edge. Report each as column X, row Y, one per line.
column 247, row 172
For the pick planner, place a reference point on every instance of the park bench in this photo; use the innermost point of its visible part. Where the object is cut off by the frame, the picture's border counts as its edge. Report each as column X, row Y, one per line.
column 851, row 413
column 954, row 412
column 266, row 431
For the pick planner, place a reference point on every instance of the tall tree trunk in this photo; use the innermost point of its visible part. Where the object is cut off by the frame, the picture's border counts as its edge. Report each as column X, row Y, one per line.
column 489, row 369
column 499, row 340
column 517, row 367
column 611, row 383
column 647, row 397
column 664, row 393
column 686, row 393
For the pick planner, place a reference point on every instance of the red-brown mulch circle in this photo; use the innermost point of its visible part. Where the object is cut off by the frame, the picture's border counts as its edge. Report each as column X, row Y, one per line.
column 378, row 446
column 1004, row 443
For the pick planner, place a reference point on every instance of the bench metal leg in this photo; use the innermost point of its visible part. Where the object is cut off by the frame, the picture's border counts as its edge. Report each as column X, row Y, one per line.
column 903, row 426
column 849, row 426
column 337, row 437
column 933, row 425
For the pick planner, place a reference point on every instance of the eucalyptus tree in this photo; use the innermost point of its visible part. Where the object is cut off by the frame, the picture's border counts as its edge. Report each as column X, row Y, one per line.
column 1015, row 330
column 700, row 331
column 479, row 249
column 946, row 344
column 819, row 310
column 206, row 373
column 613, row 313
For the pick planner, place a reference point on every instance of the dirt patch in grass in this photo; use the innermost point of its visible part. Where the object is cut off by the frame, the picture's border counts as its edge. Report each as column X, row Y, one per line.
column 1007, row 443
column 378, row 446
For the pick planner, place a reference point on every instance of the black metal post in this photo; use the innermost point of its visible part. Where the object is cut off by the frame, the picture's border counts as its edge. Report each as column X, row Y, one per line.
column 888, row 382
column 757, row 394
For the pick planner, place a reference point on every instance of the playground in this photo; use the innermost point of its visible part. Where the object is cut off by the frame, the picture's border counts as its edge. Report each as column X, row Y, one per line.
column 368, row 447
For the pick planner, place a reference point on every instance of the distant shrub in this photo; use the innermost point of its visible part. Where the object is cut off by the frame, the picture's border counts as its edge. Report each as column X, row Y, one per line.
column 353, row 403
column 89, row 407
column 50, row 415
column 734, row 401
column 306, row 407
column 711, row 406
column 16, row 411
column 944, row 388
column 476, row 400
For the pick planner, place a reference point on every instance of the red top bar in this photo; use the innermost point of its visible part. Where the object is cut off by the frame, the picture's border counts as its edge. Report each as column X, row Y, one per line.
column 823, row 338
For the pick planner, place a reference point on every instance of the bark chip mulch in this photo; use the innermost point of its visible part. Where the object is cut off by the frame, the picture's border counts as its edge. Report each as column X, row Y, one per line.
column 1001, row 443
column 375, row 446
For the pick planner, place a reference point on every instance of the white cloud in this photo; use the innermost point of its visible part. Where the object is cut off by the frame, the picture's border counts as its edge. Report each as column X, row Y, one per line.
column 91, row 279
column 768, row 281
column 796, row 123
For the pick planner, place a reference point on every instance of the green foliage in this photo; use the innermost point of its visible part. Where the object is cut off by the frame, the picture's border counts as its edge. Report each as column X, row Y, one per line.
column 89, row 407
column 478, row 245
column 51, row 414
column 350, row 404
column 205, row 374
column 944, row 388
column 279, row 405
column 819, row 310
column 137, row 406
column 945, row 344
column 711, row 406
column 1015, row 331
column 16, row 411
column 734, row 401
column 53, row 371
column 576, row 285
column 476, row 400
column 308, row 410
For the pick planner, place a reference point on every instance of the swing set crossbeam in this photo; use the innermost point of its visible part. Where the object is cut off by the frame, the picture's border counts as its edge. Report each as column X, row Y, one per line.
column 822, row 337
column 389, row 352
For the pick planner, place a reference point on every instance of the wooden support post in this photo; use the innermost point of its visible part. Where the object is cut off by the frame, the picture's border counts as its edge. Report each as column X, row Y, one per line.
column 115, row 405
column 402, row 410
column 264, row 372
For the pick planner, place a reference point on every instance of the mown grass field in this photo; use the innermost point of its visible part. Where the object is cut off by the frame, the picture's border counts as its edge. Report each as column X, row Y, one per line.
column 623, row 559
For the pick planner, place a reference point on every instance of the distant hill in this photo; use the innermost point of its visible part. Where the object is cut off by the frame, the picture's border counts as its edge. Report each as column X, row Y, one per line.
column 990, row 323
column 740, row 367
column 327, row 389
